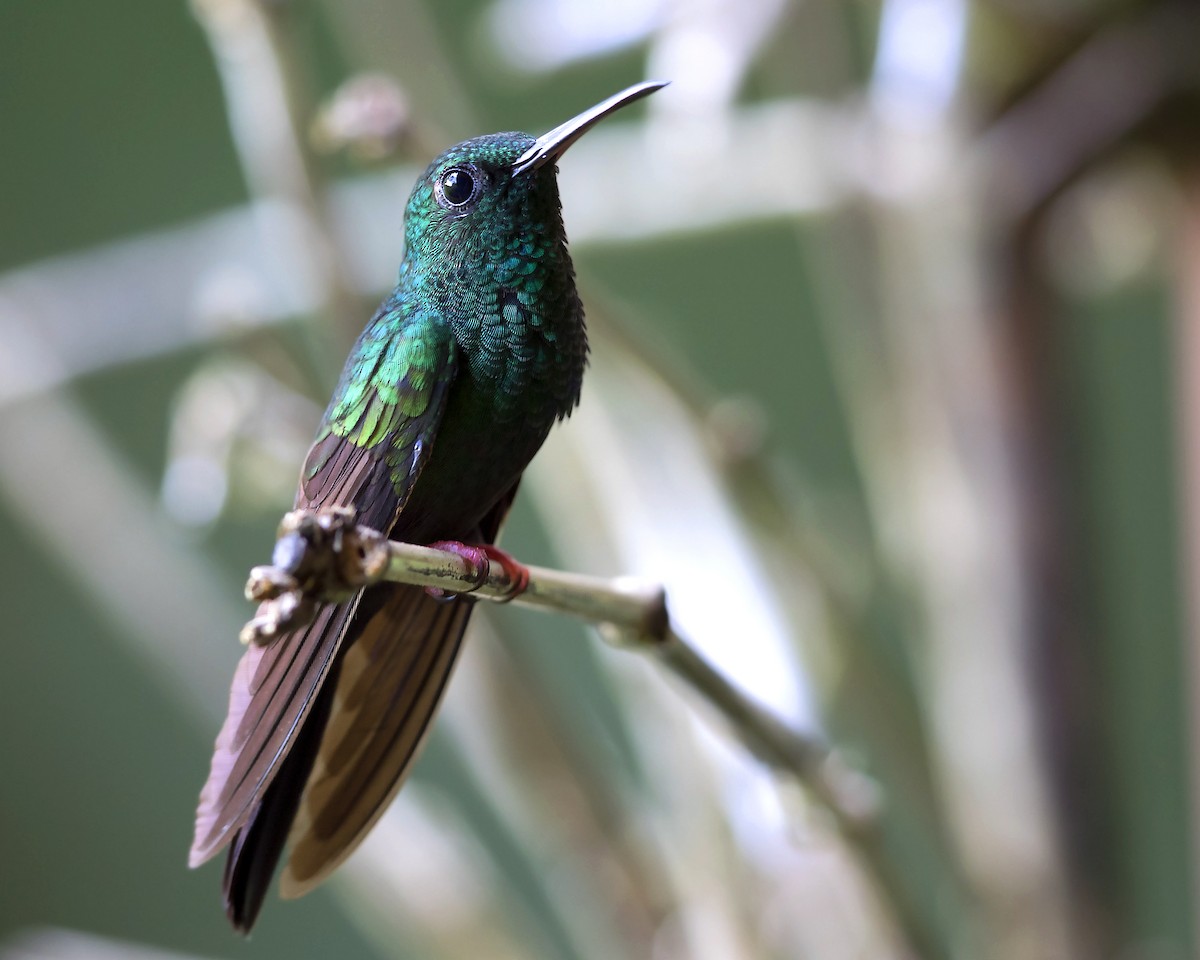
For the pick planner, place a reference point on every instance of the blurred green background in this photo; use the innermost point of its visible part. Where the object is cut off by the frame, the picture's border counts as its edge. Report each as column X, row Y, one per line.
column 895, row 314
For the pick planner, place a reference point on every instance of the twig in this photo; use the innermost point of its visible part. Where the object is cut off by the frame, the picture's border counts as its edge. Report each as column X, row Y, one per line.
column 325, row 557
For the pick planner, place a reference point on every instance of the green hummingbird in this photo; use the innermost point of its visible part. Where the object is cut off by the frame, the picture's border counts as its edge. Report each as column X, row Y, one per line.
column 444, row 399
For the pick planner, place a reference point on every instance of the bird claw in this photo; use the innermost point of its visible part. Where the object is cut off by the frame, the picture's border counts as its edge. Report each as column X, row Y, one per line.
column 517, row 572
column 480, row 557
column 475, row 557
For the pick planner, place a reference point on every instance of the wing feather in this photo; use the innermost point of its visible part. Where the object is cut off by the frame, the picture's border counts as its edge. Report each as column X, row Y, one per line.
column 274, row 686
column 389, row 688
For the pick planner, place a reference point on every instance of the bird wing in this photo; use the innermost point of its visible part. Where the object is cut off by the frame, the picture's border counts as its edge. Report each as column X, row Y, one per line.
column 378, row 432
column 389, row 685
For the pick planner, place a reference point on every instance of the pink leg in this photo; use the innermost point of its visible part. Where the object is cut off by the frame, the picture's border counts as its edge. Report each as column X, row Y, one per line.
column 479, row 556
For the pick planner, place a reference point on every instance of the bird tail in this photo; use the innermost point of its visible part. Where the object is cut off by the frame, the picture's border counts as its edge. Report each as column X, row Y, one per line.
column 356, row 747
column 257, row 846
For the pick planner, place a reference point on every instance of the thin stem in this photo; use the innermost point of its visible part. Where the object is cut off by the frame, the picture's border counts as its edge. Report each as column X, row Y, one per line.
column 325, row 557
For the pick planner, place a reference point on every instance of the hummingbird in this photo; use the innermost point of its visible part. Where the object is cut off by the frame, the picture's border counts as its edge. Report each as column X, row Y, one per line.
column 446, row 396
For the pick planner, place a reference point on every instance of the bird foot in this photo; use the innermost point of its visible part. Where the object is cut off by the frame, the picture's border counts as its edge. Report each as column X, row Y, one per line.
column 480, row 558
column 517, row 572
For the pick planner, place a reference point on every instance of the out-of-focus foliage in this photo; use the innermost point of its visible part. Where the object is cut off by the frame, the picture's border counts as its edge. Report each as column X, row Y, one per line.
column 895, row 311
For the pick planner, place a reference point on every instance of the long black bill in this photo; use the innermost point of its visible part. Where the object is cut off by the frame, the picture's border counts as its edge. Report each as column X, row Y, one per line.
column 549, row 147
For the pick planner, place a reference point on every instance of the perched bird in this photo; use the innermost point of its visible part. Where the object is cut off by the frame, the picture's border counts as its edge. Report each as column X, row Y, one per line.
column 447, row 395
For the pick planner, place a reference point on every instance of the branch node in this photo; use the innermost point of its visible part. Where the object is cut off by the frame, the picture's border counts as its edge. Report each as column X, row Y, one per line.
column 277, row 616
column 326, row 554
column 319, row 556
column 853, row 794
column 268, row 583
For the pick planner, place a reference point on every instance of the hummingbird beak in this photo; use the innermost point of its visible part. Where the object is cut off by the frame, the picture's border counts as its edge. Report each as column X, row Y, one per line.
column 549, row 147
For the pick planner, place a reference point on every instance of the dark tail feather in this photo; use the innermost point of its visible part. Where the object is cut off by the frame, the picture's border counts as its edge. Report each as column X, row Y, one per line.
column 257, row 847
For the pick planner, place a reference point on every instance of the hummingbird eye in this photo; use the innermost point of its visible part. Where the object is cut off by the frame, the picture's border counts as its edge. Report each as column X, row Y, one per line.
column 456, row 187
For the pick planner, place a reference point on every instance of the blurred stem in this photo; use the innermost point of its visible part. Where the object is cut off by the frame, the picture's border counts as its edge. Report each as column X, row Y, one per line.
column 1108, row 86
column 752, row 478
column 1187, row 354
column 160, row 594
column 788, row 519
column 268, row 104
column 956, row 510
column 534, row 764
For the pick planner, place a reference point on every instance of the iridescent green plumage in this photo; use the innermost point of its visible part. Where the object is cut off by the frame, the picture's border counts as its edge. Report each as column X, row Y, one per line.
column 388, row 387
column 486, row 299
column 446, row 396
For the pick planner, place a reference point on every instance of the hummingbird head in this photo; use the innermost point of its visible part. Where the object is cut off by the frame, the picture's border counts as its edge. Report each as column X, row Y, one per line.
column 487, row 211
column 485, row 248
column 467, row 204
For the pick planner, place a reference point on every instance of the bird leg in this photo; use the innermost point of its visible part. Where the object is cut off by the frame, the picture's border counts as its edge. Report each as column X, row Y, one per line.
column 479, row 557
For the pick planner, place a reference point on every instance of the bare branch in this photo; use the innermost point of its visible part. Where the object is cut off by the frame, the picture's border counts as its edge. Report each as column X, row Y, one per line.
column 325, row 557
